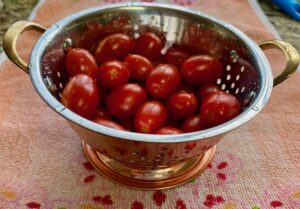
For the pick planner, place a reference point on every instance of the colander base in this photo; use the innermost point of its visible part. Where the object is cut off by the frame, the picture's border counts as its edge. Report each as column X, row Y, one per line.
column 153, row 179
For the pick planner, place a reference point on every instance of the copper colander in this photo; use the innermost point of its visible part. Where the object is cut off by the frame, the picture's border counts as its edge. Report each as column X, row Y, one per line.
column 150, row 161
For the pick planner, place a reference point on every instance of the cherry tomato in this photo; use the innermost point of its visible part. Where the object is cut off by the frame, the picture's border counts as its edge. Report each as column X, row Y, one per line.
column 201, row 69
column 112, row 74
column 125, row 100
column 181, row 105
column 81, row 61
column 192, row 123
column 102, row 113
column 148, row 45
column 218, row 108
column 176, row 57
column 169, row 130
column 138, row 66
column 207, row 89
column 150, row 117
column 115, row 46
column 108, row 123
column 81, row 95
column 163, row 81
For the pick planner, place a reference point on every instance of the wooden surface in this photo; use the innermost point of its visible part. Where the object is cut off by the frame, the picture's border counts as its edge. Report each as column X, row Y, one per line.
column 289, row 30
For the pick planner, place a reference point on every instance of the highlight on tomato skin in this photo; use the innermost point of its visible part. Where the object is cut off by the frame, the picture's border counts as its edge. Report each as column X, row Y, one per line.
column 81, row 61
column 218, row 108
column 113, row 47
column 163, row 81
column 181, row 105
column 201, row 69
column 150, row 117
column 113, row 73
column 138, row 66
column 149, row 45
column 81, row 95
column 124, row 101
column 128, row 84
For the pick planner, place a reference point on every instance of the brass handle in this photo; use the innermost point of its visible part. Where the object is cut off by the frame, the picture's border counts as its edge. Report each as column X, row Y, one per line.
column 10, row 41
column 291, row 55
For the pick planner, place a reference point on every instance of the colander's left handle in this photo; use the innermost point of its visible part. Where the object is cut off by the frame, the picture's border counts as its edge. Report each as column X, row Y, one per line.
column 10, row 41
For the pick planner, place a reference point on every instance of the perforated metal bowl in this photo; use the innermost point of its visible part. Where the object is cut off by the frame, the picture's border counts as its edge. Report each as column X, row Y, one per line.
column 145, row 160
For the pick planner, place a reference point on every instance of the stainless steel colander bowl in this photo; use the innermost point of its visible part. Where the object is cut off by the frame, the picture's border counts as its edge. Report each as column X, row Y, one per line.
column 150, row 161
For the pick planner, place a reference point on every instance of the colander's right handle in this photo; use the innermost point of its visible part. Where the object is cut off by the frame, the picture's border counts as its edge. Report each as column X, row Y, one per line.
column 291, row 55
column 10, row 40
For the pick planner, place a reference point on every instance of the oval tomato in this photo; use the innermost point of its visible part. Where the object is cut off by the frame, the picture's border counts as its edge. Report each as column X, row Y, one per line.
column 207, row 89
column 201, row 69
column 219, row 107
column 81, row 61
column 125, row 100
column 148, row 45
column 108, row 123
column 169, row 130
column 112, row 74
column 163, row 81
column 176, row 57
column 192, row 123
column 81, row 95
column 115, row 46
column 150, row 117
column 181, row 105
column 138, row 66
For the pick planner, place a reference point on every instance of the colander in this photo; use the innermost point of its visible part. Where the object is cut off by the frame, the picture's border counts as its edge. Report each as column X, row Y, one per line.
column 149, row 161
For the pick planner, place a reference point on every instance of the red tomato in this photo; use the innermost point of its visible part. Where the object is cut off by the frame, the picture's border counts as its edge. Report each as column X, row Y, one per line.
column 192, row 123
column 108, row 123
column 169, row 130
column 181, row 105
column 218, row 108
column 115, row 46
column 201, row 69
column 125, row 100
column 206, row 90
column 112, row 74
column 176, row 57
column 163, row 81
column 81, row 61
column 102, row 113
column 150, row 117
column 81, row 95
column 149, row 45
column 138, row 66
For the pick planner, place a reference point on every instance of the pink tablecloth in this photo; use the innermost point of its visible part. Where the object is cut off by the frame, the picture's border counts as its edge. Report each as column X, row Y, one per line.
column 42, row 163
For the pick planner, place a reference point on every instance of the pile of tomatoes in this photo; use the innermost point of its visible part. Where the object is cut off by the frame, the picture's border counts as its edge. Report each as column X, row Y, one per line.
column 129, row 84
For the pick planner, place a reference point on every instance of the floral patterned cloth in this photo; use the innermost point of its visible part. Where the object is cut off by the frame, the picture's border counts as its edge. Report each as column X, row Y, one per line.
column 42, row 163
